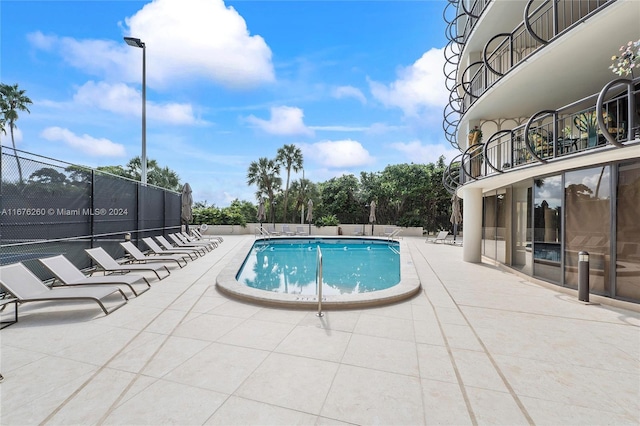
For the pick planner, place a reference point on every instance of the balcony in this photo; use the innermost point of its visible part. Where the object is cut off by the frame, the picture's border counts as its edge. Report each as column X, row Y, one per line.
column 605, row 120
column 503, row 52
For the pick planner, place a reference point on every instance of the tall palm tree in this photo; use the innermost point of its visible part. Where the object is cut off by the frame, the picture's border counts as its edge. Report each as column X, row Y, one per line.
column 290, row 157
column 265, row 174
column 13, row 100
column 302, row 190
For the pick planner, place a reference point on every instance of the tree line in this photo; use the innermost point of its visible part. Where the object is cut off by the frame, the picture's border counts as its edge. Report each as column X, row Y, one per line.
column 404, row 194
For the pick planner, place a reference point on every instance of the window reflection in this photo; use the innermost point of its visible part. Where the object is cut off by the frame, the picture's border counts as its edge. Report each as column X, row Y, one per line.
column 547, row 214
column 628, row 232
column 588, row 222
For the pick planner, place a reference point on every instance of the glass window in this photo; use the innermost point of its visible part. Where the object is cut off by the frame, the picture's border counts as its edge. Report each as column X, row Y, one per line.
column 587, row 225
column 502, row 236
column 628, row 232
column 489, row 225
column 546, row 236
column 522, row 258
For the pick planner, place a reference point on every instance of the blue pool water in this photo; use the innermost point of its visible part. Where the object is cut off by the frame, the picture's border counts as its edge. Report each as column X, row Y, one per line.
column 349, row 265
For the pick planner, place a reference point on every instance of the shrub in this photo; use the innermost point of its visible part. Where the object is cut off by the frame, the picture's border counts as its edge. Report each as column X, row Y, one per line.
column 330, row 220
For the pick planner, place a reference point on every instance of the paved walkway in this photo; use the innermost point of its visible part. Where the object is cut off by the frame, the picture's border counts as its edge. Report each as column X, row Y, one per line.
column 476, row 346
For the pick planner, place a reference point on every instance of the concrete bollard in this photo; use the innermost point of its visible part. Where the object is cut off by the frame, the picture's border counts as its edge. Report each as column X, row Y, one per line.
column 583, row 276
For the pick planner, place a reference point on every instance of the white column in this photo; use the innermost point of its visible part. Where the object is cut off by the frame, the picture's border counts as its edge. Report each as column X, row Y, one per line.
column 472, row 218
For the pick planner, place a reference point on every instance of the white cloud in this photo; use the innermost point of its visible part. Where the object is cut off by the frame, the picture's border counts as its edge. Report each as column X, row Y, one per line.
column 284, row 121
column 380, row 128
column 419, row 88
column 337, row 154
column 5, row 136
column 124, row 100
column 349, row 92
column 416, row 152
column 85, row 143
column 374, row 129
column 196, row 39
column 203, row 38
column 339, row 128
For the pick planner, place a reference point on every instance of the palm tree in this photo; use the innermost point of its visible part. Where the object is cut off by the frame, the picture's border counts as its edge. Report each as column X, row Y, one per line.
column 162, row 177
column 13, row 100
column 290, row 157
column 302, row 190
column 265, row 174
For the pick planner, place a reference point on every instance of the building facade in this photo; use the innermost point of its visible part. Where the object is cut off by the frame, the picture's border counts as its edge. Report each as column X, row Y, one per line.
column 548, row 127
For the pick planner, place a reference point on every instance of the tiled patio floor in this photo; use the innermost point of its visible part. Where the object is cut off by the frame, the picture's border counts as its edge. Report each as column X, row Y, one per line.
column 476, row 346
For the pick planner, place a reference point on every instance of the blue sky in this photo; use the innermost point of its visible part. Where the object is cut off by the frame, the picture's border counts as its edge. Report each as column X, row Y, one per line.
column 357, row 85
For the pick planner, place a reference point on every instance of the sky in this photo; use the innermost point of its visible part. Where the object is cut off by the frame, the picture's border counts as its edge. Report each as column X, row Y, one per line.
column 356, row 85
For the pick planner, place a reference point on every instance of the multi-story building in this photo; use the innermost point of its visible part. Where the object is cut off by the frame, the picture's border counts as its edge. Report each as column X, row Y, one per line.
column 549, row 136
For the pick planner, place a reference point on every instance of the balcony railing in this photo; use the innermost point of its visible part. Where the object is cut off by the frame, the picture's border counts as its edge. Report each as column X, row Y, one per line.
column 504, row 51
column 609, row 118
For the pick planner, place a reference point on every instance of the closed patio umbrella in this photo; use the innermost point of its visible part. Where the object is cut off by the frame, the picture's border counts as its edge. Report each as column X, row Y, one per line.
column 456, row 214
column 309, row 214
column 261, row 215
column 372, row 215
column 186, row 214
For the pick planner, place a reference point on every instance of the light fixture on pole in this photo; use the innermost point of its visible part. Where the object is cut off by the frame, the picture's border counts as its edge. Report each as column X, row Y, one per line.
column 136, row 42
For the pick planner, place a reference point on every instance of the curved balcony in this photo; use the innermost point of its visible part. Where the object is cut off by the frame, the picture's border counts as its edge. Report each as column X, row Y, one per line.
column 605, row 120
column 459, row 28
column 505, row 51
column 544, row 24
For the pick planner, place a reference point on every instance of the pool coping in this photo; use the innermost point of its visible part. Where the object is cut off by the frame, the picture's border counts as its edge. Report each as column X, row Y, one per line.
column 408, row 286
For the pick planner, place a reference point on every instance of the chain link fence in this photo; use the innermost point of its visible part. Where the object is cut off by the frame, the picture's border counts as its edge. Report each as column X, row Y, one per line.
column 49, row 207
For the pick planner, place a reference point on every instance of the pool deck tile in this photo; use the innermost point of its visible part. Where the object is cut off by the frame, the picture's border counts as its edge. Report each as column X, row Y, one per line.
column 476, row 345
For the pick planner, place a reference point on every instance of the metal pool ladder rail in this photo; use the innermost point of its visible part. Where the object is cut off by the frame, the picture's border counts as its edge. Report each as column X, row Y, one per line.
column 319, row 281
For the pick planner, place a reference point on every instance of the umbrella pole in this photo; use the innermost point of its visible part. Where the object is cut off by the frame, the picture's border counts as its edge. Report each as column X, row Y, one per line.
column 455, row 231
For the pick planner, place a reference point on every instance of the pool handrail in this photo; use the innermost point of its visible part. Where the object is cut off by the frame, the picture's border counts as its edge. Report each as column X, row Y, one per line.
column 263, row 233
column 319, row 280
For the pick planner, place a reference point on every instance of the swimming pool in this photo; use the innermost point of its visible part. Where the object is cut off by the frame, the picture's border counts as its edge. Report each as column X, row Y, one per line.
column 349, row 266
column 408, row 285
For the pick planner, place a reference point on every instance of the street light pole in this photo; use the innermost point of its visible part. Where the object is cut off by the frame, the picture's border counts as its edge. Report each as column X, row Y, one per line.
column 136, row 42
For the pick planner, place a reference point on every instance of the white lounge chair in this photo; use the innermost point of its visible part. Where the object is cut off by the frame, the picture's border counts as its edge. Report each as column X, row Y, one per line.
column 68, row 274
column 180, row 243
column 441, row 237
column 156, row 249
column 202, row 236
column 300, row 230
column 393, row 234
column 194, row 237
column 188, row 239
column 139, row 256
column 26, row 287
column 286, row 230
column 271, row 230
column 390, row 232
column 109, row 264
column 166, row 245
